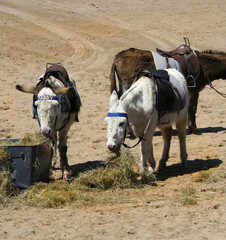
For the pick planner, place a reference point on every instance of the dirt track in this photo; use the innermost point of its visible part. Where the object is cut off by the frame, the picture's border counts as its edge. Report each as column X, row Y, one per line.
column 84, row 36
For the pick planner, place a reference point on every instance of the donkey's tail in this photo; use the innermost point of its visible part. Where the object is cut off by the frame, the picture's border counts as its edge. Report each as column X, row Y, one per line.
column 113, row 85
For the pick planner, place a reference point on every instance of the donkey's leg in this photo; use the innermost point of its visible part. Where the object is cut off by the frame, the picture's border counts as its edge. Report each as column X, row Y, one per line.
column 181, row 129
column 192, row 109
column 167, row 135
column 54, row 159
column 62, row 146
column 147, row 156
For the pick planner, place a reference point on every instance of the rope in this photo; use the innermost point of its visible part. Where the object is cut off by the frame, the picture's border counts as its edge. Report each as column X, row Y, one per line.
column 211, row 85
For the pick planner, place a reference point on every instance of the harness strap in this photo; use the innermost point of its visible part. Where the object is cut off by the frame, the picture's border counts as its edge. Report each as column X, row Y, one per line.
column 140, row 139
column 211, row 85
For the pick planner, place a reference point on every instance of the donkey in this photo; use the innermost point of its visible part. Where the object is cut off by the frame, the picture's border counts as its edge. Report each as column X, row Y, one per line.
column 154, row 101
column 127, row 64
column 55, row 110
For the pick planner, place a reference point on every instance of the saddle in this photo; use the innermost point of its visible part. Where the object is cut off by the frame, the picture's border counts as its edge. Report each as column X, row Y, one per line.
column 168, row 98
column 187, row 59
column 58, row 71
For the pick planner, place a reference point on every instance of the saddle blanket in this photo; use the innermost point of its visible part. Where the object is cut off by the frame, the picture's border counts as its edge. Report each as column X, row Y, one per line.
column 161, row 63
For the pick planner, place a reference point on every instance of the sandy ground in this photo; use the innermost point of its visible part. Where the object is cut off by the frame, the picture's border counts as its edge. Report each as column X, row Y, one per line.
column 84, row 36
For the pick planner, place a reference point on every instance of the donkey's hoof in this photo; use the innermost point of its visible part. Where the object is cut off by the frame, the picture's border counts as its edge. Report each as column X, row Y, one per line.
column 66, row 176
column 161, row 166
column 185, row 164
column 193, row 129
column 148, row 178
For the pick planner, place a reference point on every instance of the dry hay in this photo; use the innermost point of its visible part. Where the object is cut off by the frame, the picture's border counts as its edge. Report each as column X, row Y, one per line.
column 29, row 139
column 6, row 186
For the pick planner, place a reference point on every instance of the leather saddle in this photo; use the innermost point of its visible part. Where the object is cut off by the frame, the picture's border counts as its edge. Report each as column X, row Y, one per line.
column 187, row 59
column 58, row 71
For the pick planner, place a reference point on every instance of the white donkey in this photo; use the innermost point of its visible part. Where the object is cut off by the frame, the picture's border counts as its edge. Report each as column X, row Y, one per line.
column 57, row 108
column 149, row 103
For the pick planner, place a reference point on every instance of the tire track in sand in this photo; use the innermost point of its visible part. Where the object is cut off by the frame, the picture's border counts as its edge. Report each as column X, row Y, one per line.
column 78, row 42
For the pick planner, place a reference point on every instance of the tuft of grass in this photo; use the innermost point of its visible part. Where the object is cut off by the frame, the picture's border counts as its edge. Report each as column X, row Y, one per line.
column 188, row 195
column 206, row 176
column 7, row 188
column 53, row 195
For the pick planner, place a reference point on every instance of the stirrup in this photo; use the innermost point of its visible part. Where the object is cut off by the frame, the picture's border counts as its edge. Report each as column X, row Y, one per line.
column 191, row 86
column 160, row 116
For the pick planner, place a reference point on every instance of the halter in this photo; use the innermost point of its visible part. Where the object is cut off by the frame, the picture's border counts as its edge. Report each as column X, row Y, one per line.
column 52, row 98
column 118, row 114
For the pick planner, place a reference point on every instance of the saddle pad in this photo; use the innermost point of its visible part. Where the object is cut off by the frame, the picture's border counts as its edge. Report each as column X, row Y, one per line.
column 170, row 94
column 179, row 89
column 161, row 63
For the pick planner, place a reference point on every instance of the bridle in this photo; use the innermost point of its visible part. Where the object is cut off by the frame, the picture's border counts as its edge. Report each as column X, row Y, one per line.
column 118, row 114
column 53, row 98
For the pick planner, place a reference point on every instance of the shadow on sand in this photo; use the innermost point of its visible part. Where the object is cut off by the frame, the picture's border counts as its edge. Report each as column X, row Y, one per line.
column 76, row 169
column 196, row 165
column 200, row 131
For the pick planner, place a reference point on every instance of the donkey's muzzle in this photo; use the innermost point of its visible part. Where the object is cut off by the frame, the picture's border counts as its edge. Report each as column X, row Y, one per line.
column 46, row 132
column 112, row 147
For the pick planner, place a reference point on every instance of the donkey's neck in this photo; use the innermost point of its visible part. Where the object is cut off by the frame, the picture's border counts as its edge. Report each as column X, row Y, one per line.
column 213, row 64
column 139, row 104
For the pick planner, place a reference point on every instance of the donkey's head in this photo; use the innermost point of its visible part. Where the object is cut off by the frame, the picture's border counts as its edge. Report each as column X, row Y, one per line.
column 117, row 123
column 48, row 107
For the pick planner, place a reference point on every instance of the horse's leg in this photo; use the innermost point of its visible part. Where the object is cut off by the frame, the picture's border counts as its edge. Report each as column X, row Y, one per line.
column 181, row 129
column 62, row 147
column 167, row 135
column 192, row 109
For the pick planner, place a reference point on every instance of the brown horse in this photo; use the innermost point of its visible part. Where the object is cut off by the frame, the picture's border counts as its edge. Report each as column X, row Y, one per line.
column 128, row 63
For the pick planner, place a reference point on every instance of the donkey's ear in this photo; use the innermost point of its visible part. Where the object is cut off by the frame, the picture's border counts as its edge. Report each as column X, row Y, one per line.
column 33, row 90
column 113, row 98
